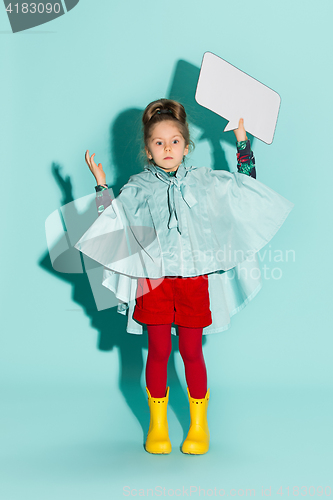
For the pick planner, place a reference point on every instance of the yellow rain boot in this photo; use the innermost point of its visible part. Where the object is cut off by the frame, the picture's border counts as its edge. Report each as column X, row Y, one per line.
column 197, row 441
column 158, row 436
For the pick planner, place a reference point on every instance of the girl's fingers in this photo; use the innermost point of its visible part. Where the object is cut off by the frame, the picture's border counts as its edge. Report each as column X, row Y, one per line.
column 91, row 163
column 90, row 160
column 87, row 157
column 240, row 132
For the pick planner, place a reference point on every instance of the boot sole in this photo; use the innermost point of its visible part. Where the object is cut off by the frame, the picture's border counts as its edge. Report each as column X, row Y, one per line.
column 158, row 452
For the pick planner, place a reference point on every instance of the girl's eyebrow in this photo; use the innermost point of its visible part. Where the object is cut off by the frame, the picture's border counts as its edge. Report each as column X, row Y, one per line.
column 154, row 138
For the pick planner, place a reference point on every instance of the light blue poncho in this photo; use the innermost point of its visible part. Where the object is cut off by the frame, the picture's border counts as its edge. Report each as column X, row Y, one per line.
column 201, row 221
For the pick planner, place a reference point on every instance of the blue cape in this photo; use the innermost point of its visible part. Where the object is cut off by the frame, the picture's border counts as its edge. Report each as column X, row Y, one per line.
column 201, row 221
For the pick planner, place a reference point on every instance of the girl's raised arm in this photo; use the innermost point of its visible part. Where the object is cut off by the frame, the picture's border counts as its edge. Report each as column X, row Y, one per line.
column 103, row 198
column 96, row 170
column 245, row 158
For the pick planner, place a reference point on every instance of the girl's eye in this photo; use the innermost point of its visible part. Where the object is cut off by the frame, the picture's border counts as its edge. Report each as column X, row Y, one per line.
column 175, row 141
column 159, row 142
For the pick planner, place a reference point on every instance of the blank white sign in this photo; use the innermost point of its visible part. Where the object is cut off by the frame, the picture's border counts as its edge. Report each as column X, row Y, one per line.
column 233, row 94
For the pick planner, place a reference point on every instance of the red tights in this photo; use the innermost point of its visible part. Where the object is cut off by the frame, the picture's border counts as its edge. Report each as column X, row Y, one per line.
column 190, row 348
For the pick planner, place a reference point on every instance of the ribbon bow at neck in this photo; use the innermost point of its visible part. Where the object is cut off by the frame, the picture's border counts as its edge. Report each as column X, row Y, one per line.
column 177, row 189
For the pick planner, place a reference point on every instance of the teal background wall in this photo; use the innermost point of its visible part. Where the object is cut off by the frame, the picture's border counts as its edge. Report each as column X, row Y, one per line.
column 74, row 412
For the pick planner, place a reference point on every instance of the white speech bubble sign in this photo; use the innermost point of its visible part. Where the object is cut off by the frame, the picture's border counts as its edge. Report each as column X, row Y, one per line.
column 232, row 94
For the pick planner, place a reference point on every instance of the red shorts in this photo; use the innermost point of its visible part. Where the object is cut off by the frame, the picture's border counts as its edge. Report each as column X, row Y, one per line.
column 173, row 299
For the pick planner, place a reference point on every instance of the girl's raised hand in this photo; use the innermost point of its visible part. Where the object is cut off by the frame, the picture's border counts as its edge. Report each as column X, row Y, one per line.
column 240, row 132
column 96, row 170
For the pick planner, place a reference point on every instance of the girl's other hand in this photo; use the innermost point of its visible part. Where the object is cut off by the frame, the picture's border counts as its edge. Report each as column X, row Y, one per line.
column 240, row 132
column 96, row 170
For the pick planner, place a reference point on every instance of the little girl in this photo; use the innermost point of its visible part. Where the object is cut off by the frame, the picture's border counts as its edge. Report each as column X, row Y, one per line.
column 168, row 243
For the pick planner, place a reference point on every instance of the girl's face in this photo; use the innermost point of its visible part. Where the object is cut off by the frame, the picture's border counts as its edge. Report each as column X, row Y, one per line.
column 166, row 146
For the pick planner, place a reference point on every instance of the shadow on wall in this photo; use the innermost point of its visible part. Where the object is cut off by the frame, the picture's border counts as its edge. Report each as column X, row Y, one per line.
column 125, row 148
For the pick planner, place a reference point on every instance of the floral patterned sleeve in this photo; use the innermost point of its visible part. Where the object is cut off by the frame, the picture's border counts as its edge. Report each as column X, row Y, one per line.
column 103, row 198
column 245, row 159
